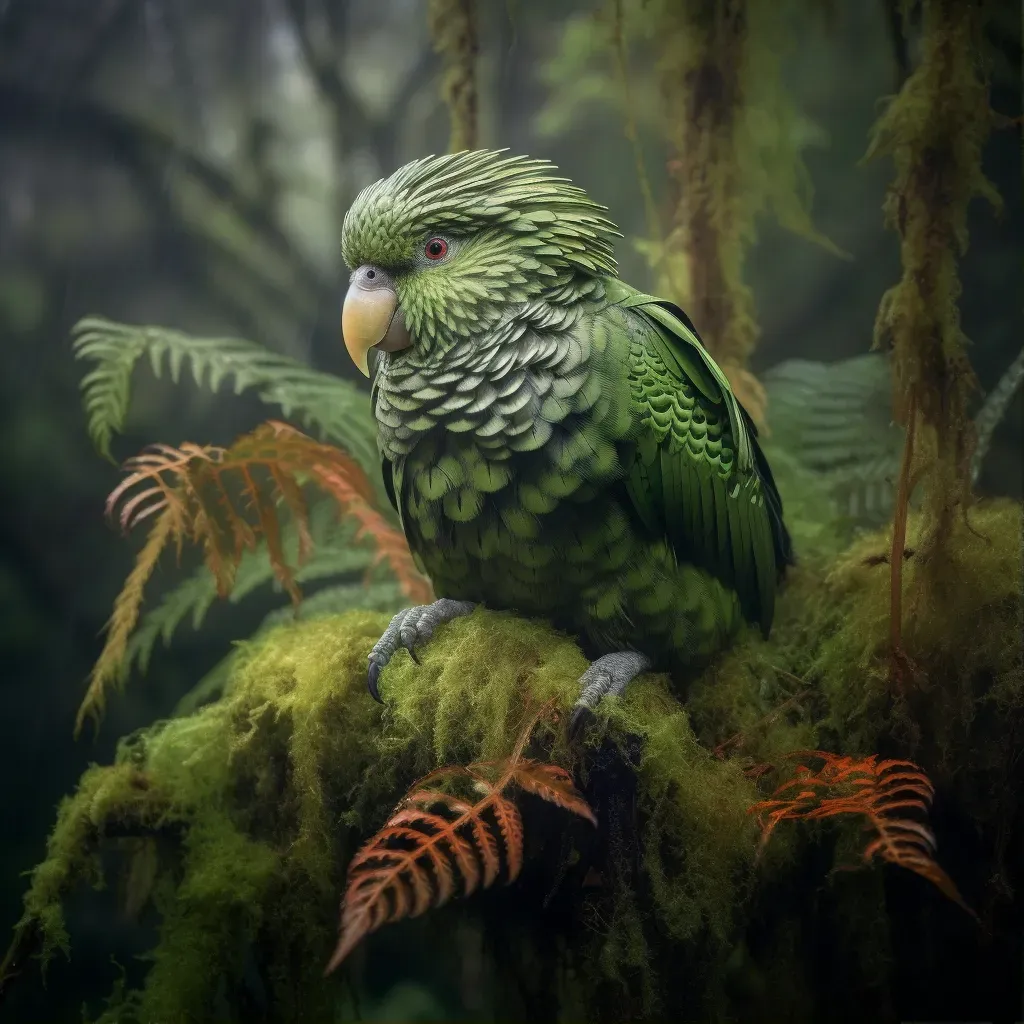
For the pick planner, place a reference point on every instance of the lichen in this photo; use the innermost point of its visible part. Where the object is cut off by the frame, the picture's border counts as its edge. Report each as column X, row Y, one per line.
column 261, row 798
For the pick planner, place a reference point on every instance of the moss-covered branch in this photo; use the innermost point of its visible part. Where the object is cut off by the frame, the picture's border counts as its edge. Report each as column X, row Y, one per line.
column 454, row 31
column 264, row 796
column 734, row 153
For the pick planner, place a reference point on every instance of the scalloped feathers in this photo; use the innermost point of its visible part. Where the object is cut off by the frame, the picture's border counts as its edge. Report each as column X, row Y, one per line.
column 468, row 192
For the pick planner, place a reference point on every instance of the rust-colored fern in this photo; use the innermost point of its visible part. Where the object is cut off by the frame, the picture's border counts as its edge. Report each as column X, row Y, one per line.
column 434, row 838
column 225, row 499
column 893, row 797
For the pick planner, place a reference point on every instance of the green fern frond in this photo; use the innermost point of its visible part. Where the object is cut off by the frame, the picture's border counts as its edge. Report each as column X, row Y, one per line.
column 836, row 420
column 335, row 554
column 335, row 408
column 376, row 595
column 992, row 412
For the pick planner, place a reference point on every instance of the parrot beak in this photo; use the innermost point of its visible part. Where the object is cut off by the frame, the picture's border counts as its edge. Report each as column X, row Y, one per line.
column 370, row 317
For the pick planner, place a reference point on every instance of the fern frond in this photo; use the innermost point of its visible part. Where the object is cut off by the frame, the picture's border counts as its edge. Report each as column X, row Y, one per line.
column 110, row 666
column 434, row 838
column 993, row 411
column 836, row 419
column 227, row 501
column 333, row 554
column 336, row 409
column 893, row 797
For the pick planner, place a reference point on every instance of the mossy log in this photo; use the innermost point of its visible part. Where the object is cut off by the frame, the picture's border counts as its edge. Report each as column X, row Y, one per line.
column 242, row 816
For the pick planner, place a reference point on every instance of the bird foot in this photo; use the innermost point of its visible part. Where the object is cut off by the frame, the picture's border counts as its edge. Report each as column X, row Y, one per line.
column 410, row 628
column 609, row 675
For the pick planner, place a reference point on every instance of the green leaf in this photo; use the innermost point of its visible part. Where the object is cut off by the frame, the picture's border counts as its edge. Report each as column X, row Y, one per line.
column 336, row 409
column 335, row 554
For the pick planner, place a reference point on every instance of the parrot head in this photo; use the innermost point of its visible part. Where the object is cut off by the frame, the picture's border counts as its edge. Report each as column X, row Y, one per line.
column 445, row 247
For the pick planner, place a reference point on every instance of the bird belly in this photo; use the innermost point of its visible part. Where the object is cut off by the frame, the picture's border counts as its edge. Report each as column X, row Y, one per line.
column 587, row 567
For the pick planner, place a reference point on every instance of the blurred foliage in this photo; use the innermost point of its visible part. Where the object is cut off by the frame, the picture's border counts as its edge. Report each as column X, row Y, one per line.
column 321, row 401
column 635, row 57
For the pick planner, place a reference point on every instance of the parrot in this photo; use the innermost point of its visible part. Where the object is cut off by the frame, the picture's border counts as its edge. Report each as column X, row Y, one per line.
column 556, row 443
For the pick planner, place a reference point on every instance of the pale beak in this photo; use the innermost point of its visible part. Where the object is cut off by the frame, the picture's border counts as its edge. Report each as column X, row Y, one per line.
column 371, row 318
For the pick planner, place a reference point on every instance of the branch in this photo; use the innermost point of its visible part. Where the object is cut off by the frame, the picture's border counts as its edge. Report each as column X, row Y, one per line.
column 353, row 125
column 81, row 119
column 324, row 66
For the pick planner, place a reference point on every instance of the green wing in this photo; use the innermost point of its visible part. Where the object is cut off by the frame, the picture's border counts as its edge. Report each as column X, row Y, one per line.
column 700, row 478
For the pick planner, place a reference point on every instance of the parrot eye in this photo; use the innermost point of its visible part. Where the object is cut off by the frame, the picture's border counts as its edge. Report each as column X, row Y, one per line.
column 436, row 249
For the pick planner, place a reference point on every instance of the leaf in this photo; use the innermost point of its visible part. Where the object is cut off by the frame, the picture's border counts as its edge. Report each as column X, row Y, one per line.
column 554, row 784
column 227, row 501
column 109, row 667
column 334, row 407
column 434, row 839
column 893, row 796
column 333, row 554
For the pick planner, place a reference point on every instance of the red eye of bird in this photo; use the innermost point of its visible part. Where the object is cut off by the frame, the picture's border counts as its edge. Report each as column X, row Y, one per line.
column 437, row 249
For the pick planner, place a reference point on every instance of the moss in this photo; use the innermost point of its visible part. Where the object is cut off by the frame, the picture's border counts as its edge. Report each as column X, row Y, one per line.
column 935, row 130
column 264, row 795
column 453, row 28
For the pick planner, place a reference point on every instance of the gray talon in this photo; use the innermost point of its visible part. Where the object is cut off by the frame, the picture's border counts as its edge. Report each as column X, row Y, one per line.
column 408, row 629
column 609, row 675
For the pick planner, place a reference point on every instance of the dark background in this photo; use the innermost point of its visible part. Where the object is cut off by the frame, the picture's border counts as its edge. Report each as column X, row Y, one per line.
column 187, row 163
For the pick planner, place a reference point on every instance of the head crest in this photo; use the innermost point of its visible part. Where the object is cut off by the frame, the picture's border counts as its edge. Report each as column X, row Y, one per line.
column 463, row 193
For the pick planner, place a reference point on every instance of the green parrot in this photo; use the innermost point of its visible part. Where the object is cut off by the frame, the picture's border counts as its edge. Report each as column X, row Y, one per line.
column 555, row 442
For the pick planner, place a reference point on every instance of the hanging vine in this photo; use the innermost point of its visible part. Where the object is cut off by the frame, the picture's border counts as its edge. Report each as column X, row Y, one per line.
column 733, row 138
column 703, row 81
column 934, row 129
column 453, row 28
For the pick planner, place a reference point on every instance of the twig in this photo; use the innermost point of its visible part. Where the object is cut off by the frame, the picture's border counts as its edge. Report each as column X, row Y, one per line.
column 899, row 538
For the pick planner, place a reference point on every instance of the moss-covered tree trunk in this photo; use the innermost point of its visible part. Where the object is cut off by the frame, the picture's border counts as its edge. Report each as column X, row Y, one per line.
column 934, row 130
column 703, row 81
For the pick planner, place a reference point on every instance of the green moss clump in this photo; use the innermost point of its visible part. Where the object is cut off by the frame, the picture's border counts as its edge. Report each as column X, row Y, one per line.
column 260, row 799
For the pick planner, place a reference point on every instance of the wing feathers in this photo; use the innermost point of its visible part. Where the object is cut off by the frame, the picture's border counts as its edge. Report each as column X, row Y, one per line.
column 728, row 522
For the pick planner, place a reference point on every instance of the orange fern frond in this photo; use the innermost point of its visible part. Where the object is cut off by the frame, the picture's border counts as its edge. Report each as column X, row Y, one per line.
column 434, row 838
column 109, row 666
column 226, row 499
column 893, row 796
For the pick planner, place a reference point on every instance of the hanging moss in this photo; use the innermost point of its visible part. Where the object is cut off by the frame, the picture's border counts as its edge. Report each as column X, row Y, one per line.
column 454, row 31
column 256, row 802
column 730, row 126
column 700, row 82
column 934, row 129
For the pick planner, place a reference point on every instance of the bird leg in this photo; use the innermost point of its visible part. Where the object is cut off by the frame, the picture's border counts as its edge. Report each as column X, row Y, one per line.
column 609, row 675
column 410, row 628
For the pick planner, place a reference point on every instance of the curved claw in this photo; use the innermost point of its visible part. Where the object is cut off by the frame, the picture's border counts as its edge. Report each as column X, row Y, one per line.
column 580, row 718
column 371, row 681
